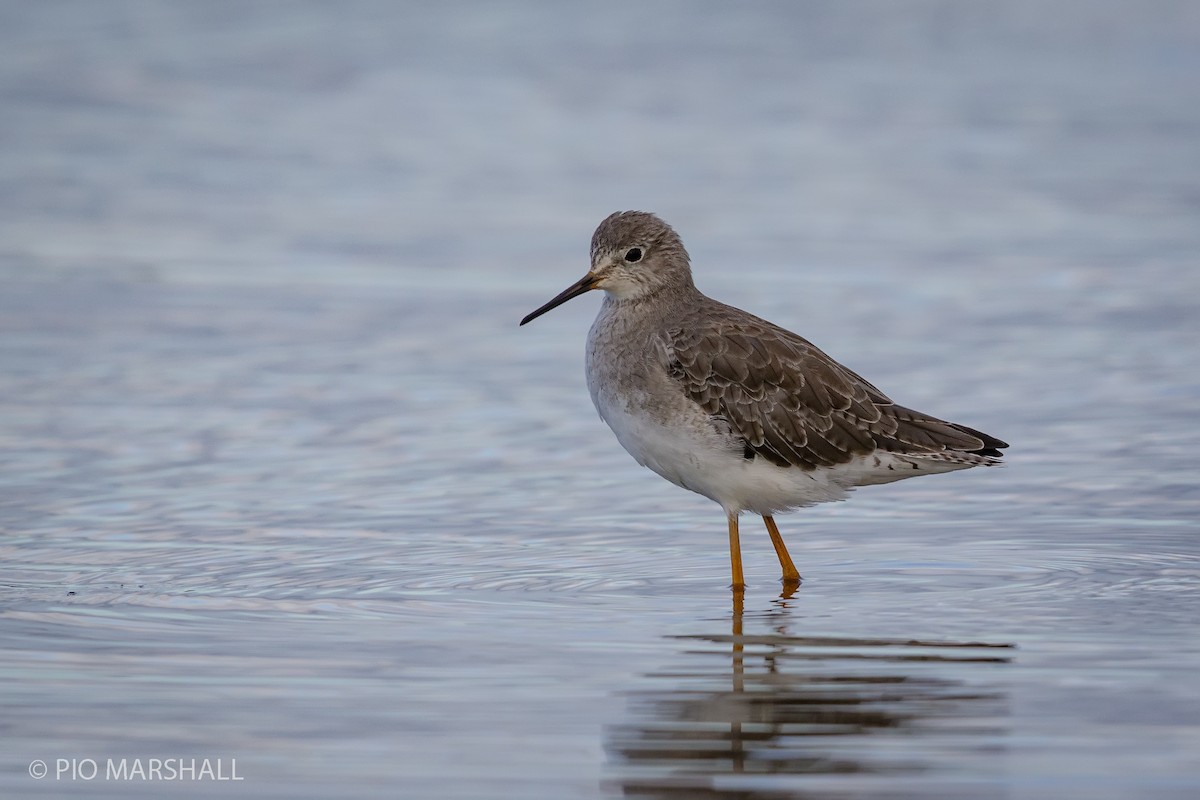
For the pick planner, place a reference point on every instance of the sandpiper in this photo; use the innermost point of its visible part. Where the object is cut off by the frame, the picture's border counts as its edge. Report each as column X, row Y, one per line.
column 732, row 407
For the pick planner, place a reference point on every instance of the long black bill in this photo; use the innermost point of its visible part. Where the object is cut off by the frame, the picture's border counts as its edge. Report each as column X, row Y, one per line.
column 584, row 284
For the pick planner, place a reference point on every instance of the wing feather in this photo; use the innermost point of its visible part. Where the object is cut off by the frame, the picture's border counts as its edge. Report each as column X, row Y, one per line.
column 794, row 405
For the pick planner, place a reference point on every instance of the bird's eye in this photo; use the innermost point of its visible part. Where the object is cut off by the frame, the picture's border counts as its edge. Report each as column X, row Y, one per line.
column 633, row 255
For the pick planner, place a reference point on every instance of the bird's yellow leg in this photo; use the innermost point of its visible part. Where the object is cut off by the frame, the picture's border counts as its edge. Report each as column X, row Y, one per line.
column 735, row 554
column 790, row 574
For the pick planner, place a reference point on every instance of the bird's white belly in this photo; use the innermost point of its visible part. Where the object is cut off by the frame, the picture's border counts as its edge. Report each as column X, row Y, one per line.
column 696, row 457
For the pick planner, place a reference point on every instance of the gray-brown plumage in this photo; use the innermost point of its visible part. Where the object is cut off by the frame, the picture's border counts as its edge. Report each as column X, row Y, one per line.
column 731, row 406
column 796, row 406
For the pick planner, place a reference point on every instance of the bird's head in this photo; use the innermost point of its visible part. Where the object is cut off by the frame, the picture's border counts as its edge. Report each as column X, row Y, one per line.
column 634, row 254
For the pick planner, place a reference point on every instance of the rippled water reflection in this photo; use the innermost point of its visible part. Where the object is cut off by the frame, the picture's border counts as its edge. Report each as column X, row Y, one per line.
column 759, row 715
column 282, row 481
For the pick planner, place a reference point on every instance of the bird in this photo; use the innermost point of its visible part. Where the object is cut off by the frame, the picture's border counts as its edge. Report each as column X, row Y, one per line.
column 733, row 407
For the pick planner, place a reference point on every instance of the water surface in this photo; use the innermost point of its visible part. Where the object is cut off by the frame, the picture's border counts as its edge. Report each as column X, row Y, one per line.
column 284, row 483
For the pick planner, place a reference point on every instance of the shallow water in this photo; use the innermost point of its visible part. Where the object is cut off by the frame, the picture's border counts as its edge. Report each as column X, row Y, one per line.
column 284, row 485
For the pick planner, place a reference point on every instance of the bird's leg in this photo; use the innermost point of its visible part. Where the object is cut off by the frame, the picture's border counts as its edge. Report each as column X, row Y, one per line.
column 790, row 575
column 735, row 554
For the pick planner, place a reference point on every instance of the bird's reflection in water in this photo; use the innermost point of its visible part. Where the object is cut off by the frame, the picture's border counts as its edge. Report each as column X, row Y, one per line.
column 765, row 713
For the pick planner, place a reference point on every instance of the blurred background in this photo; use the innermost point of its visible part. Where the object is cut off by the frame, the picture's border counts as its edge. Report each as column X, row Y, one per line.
column 283, row 481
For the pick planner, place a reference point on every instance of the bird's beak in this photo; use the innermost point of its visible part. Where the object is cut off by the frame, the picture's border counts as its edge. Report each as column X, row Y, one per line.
column 584, row 284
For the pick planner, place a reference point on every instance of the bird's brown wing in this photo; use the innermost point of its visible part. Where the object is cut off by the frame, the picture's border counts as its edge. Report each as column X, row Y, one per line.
column 796, row 406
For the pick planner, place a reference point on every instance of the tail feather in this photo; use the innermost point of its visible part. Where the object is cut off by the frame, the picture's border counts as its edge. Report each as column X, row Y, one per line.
column 991, row 445
column 918, row 433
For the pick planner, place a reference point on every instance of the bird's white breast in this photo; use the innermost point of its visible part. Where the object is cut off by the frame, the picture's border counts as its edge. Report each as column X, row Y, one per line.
column 672, row 435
